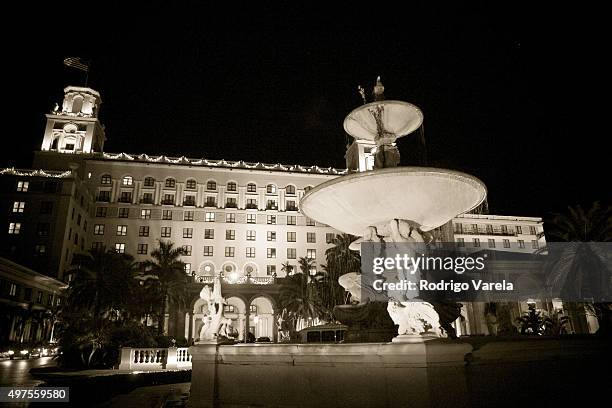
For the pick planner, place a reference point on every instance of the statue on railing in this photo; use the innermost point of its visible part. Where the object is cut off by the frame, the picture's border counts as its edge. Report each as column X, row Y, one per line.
column 216, row 326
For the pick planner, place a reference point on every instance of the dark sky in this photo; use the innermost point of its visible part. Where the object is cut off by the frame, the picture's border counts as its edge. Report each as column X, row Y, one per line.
column 501, row 99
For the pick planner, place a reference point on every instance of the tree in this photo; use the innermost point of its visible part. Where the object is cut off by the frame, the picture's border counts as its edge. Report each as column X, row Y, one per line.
column 581, row 269
column 340, row 260
column 166, row 272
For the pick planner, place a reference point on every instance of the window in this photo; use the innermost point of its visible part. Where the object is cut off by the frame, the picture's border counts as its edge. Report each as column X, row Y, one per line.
column 460, row 242
column 271, row 253
column 271, row 235
column 22, row 186
column 270, row 270
column 106, row 180
column 166, row 232
column 291, row 236
column 476, row 242
column 250, row 235
column 14, row 228
column 271, row 219
column 42, row 229
column 310, row 222
column 291, row 205
column 504, row 229
column 231, row 202
column 143, row 231
column 230, row 218
column 251, row 188
column 230, row 235
column 211, row 201
column 534, row 244
column 532, row 230
column 458, row 228
column 211, row 185
column 521, row 243
column 231, row 186
column 191, row 184
column 330, row 237
column 97, row 246
column 127, row 181
column 143, row 249
column 209, row 233
column 12, row 289
column 170, row 183
column 311, row 237
column 311, row 253
column 250, row 252
column 253, row 309
column 290, row 190
column 187, row 267
column 147, row 198
column 506, row 243
column 149, row 182
column 251, row 203
column 291, row 219
column 271, row 189
column 189, row 200
column 519, row 229
column 229, row 252
column 39, row 297
column 489, row 229
column 145, row 214
column 187, row 232
column 291, row 253
column 188, row 216
column 121, row 230
column 46, row 207
column 229, row 309
column 103, row 195
column 168, row 199
column 271, row 205
column 27, row 294
column 99, row 229
column 208, row 250
column 166, row 214
column 120, row 248
column 40, row 249
column 491, row 243
column 18, row 206
column 124, row 212
column 251, row 219
column 210, row 217
column 79, row 220
column 187, row 250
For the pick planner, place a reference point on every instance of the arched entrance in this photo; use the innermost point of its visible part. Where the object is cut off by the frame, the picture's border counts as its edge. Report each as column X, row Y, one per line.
column 235, row 309
column 262, row 318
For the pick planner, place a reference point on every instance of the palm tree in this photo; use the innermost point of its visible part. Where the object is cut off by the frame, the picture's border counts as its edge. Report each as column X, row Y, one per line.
column 167, row 272
column 340, row 260
column 581, row 269
column 287, row 268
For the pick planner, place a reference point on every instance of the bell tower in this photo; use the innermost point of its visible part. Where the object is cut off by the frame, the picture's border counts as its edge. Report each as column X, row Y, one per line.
column 75, row 128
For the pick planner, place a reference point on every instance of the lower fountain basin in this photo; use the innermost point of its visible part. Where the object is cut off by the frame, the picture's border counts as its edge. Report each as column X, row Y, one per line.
column 428, row 196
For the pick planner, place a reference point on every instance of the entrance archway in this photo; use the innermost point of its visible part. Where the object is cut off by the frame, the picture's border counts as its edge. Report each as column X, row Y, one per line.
column 262, row 318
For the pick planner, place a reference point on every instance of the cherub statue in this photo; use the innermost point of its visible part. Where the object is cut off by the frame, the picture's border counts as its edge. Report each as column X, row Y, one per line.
column 215, row 324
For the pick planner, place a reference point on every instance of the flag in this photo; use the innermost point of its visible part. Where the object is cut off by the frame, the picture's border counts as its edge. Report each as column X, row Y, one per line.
column 78, row 63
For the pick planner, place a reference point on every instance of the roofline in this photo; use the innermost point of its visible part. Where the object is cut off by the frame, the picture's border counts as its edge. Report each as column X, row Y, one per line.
column 499, row 217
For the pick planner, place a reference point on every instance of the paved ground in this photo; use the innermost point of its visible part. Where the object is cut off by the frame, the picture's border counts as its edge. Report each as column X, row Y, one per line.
column 157, row 396
column 17, row 372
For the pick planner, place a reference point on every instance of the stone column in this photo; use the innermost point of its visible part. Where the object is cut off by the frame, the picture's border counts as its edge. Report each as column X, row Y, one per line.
column 247, row 319
column 274, row 326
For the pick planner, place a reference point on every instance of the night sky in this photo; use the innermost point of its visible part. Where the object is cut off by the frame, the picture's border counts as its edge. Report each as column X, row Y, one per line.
column 501, row 101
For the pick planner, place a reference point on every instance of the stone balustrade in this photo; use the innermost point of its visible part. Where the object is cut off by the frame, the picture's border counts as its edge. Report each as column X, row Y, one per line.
column 152, row 359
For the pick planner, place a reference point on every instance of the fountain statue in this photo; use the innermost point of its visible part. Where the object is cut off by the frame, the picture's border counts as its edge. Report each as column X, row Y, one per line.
column 391, row 204
column 216, row 327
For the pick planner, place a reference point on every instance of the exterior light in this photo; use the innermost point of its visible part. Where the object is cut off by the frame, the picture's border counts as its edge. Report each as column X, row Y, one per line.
column 24, row 352
column 11, row 352
column 234, row 276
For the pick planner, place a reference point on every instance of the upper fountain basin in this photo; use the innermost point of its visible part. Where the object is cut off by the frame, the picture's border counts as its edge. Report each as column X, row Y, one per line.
column 427, row 196
column 399, row 118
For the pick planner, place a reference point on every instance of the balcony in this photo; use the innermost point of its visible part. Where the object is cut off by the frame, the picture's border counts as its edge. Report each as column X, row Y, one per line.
column 189, row 203
column 125, row 200
column 103, row 198
column 167, row 202
column 146, row 201
column 231, row 205
column 271, row 207
column 251, row 206
column 291, row 208
column 483, row 232
column 240, row 280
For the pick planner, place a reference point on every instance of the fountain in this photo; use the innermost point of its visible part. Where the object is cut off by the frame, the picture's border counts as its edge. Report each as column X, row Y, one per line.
column 389, row 204
column 392, row 204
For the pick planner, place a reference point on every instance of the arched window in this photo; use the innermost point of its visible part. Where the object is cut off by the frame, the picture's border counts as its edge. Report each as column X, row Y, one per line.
column 170, row 183
column 251, row 188
column 191, row 184
column 290, row 190
column 271, row 189
column 54, row 143
column 211, row 185
column 106, row 180
column 77, row 104
column 149, row 182
column 127, row 180
column 231, row 186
